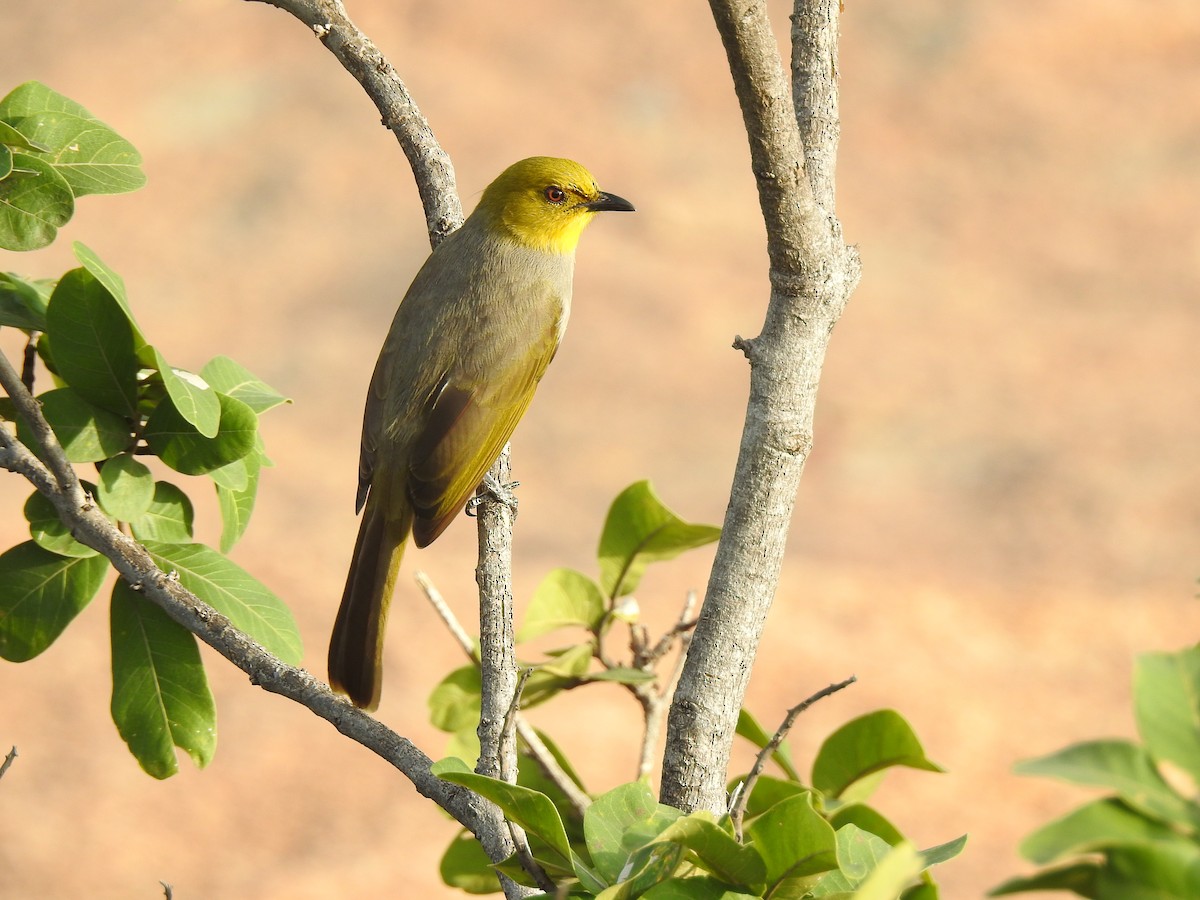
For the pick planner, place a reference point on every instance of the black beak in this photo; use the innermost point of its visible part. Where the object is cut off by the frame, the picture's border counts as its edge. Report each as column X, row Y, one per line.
column 609, row 202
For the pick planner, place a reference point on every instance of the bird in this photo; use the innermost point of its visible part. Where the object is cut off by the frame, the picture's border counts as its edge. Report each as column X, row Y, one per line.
column 468, row 345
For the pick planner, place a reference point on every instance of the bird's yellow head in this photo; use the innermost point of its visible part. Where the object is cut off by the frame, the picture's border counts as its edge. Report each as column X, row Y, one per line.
column 544, row 203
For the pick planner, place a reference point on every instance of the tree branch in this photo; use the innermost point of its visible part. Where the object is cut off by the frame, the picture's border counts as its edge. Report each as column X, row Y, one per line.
column 497, row 644
column 431, row 165
column 812, row 273
column 738, row 811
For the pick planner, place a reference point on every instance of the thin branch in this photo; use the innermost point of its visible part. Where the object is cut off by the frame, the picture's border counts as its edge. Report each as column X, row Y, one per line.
column 8, row 761
column 497, row 643
column 537, row 748
column 360, row 57
column 90, row 527
column 656, row 700
column 811, row 276
column 547, row 762
column 434, row 596
column 738, row 810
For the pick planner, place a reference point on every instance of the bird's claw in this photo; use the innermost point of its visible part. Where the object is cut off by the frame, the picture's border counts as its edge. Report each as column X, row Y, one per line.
column 494, row 490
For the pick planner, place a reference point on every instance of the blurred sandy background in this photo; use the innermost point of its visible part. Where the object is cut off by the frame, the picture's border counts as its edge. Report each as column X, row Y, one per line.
column 1002, row 508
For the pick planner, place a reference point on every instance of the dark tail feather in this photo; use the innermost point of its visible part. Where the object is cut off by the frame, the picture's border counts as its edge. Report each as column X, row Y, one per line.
column 356, row 648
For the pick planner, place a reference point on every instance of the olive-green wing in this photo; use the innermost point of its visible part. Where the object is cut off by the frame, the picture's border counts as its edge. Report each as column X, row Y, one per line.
column 466, row 428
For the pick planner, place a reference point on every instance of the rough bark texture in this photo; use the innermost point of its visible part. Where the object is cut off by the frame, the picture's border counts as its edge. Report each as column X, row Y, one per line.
column 812, row 273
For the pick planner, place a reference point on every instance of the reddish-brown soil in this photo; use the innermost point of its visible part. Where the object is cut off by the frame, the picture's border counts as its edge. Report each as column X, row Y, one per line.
column 1001, row 510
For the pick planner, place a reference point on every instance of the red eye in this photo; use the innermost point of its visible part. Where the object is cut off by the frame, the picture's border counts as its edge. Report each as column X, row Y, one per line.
column 554, row 194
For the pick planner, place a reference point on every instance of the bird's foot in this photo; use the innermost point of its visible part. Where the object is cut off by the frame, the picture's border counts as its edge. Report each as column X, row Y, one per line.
column 494, row 490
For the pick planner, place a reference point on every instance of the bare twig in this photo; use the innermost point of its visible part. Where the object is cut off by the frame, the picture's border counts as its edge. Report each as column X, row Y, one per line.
column 8, row 761
column 360, row 57
column 168, row 891
column 738, row 811
column 812, row 273
column 434, row 596
column 656, row 699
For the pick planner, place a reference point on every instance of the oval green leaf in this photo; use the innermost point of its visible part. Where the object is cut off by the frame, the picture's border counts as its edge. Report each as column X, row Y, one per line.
column 640, row 530
column 86, row 432
column 177, row 443
column 125, row 488
column 168, row 518
column 35, row 201
column 94, row 342
column 40, row 593
column 233, row 592
column 865, row 746
column 48, row 530
column 564, row 599
column 160, row 697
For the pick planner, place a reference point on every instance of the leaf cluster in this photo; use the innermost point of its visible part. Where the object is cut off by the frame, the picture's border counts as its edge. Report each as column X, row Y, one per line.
column 52, row 151
column 638, row 531
column 819, row 839
column 115, row 403
column 1143, row 839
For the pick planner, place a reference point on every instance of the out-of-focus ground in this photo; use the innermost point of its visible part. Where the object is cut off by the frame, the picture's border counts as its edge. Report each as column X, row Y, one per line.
column 1002, row 507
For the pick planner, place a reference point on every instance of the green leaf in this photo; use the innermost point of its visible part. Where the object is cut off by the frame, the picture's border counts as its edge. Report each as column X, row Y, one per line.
column 940, row 853
column 233, row 592
column 868, row 819
column 6, row 159
column 1078, row 878
column 237, row 504
column 230, row 378
column 125, row 488
column 1098, row 825
column 889, row 875
column 112, row 282
column 750, row 728
column 607, row 820
column 531, row 810
column 793, row 840
column 647, row 866
column 717, row 850
column 35, row 201
column 640, row 530
column 532, row 776
column 1151, row 872
column 465, row 866
column 1121, row 766
column 10, row 137
column 23, row 301
column 93, row 340
column 564, row 670
column 768, row 791
column 702, row 888
column 168, row 518
column 48, row 530
column 1166, row 700
column 565, row 599
column 92, row 157
column 455, row 703
column 177, row 442
column 86, row 432
column 864, row 746
column 621, row 675
column 192, row 397
column 40, row 593
column 161, row 699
